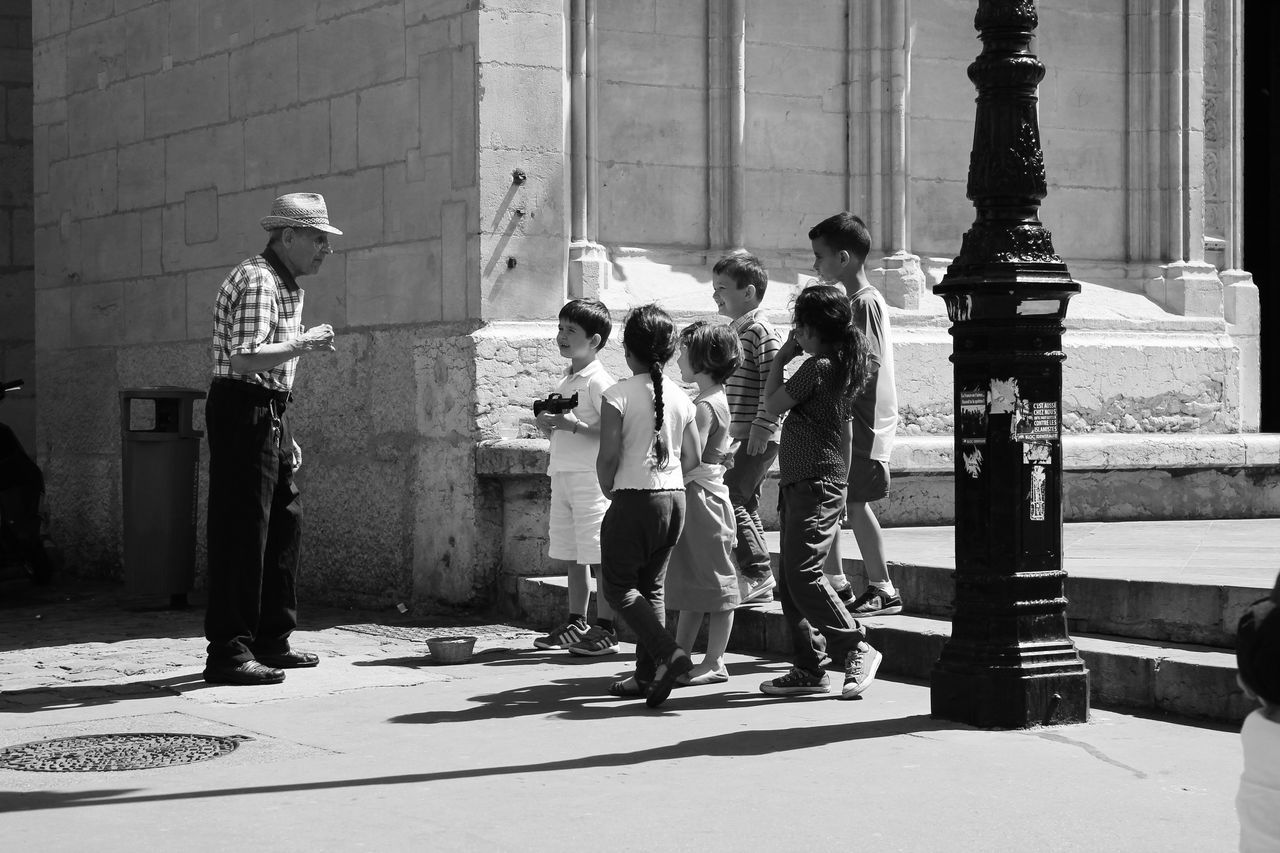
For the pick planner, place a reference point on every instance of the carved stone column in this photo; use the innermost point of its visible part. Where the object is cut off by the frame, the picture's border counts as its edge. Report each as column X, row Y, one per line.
column 1009, row 662
column 589, row 270
column 879, row 43
column 1167, row 163
column 726, row 122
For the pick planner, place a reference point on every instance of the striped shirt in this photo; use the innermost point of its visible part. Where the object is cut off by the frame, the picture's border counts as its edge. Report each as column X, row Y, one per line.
column 258, row 303
column 875, row 411
column 745, row 388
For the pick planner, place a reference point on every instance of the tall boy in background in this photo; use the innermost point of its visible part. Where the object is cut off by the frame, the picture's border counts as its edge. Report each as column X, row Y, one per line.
column 841, row 244
column 738, row 283
column 577, row 504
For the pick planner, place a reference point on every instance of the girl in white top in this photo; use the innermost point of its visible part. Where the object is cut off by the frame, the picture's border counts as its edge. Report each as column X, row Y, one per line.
column 703, row 578
column 648, row 437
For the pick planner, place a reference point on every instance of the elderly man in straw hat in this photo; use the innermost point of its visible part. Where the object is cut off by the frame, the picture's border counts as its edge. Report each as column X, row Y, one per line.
column 254, row 512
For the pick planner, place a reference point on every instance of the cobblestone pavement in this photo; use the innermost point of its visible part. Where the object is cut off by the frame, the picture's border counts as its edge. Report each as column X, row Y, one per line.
column 89, row 642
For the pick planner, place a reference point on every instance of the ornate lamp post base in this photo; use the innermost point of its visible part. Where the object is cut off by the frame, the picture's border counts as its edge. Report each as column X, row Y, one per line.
column 1009, row 662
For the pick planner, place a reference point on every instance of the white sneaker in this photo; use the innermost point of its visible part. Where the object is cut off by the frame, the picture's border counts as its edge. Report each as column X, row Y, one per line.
column 756, row 590
column 860, row 667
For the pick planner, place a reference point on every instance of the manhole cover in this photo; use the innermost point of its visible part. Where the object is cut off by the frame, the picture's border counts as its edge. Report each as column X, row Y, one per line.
column 114, row 752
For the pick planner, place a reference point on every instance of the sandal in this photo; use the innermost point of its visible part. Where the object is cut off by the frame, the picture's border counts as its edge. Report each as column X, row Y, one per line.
column 628, row 688
column 678, row 664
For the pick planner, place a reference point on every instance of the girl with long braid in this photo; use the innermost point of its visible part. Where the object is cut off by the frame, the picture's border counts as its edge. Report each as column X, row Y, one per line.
column 648, row 438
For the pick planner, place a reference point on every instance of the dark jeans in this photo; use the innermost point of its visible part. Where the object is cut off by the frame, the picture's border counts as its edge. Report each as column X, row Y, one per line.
column 636, row 537
column 809, row 514
column 255, row 526
column 744, row 480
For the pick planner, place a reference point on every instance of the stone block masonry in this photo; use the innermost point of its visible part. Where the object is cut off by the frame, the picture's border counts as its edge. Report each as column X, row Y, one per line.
column 17, row 236
column 166, row 129
column 476, row 152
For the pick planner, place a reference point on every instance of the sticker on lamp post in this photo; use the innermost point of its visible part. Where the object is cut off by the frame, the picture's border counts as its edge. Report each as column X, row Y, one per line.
column 1037, row 493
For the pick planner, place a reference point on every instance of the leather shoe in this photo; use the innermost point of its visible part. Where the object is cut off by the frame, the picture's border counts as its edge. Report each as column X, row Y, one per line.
column 249, row 672
column 289, row 660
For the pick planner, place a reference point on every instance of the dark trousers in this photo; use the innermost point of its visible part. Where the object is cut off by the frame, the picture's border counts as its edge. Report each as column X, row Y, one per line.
column 255, row 525
column 809, row 514
column 744, row 481
column 636, row 537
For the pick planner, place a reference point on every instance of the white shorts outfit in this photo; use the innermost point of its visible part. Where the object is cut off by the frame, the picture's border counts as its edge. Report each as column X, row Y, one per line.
column 577, row 508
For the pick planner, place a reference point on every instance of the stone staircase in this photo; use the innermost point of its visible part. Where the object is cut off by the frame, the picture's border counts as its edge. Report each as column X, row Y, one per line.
column 1152, row 611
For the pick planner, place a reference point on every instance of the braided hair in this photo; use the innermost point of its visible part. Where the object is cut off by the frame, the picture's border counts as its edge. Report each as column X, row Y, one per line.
column 825, row 311
column 650, row 337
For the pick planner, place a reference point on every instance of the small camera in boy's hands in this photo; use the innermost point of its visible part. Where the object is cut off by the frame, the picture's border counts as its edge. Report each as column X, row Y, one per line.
column 555, row 404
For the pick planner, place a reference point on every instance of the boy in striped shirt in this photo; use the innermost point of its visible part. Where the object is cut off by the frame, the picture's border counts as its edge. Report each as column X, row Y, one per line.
column 739, row 282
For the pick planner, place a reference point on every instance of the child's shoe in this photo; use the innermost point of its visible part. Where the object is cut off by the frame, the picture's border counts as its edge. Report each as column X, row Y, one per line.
column 756, row 590
column 797, row 682
column 563, row 637
column 875, row 602
column 860, row 667
column 596, row 642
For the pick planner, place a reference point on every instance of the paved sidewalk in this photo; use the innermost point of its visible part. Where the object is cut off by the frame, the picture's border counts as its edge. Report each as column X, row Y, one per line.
column 522, row 750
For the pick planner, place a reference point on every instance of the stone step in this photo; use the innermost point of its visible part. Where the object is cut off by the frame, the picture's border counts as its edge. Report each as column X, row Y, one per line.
column 1181, row 582
column 1171, row 678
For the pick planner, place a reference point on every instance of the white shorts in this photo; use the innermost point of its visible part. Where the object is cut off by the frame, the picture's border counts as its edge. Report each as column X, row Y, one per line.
column 577, row 508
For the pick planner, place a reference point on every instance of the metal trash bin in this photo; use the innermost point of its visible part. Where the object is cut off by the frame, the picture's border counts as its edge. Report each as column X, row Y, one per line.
column 161, row 473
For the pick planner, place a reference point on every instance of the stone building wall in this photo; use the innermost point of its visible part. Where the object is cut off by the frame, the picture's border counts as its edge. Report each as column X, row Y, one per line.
column 17, row 249
column 440, row 132
column 163, row 130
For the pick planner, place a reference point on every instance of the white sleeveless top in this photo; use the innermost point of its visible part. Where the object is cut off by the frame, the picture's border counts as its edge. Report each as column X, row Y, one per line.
column 637, row 468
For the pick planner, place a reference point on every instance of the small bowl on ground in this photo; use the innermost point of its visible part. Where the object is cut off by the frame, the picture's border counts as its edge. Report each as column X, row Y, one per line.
column 447, row 650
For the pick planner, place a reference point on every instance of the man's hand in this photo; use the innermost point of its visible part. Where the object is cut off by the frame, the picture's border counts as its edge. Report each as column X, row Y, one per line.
column 296, row 457
column 318, row 338
column 756, row 445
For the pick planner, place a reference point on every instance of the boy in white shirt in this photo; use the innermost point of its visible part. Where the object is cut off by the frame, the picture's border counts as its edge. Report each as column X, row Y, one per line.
column 840, row 247
column 577, row 504
column 1258, row 659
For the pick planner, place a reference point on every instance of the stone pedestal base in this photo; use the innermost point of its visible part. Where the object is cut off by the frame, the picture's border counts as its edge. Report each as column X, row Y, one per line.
column 1191, row 289
column 904, row 280
column 589, row 270
column 1009, row 699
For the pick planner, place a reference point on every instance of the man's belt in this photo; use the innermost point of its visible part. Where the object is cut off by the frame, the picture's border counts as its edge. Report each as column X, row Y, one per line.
column 260, row 394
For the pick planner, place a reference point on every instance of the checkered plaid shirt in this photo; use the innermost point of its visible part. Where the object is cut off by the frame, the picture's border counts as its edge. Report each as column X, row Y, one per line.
column 258, row 303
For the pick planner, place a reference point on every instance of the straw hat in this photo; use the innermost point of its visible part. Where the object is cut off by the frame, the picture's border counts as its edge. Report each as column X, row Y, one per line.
column 299, row 210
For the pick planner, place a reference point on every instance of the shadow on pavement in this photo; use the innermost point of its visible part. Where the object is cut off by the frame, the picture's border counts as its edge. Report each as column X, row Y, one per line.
column 588, row 699
column 74, row 696
column 738, row 743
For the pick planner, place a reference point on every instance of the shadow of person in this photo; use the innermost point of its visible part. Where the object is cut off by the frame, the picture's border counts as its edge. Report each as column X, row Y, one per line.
column 736, row 743
column 88, row 696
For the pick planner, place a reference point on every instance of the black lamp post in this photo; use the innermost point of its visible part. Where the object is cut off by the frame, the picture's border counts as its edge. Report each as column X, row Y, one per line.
column 1009, row 662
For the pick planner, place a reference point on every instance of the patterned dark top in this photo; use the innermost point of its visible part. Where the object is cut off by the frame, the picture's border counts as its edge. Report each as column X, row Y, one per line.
column 810, row 448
